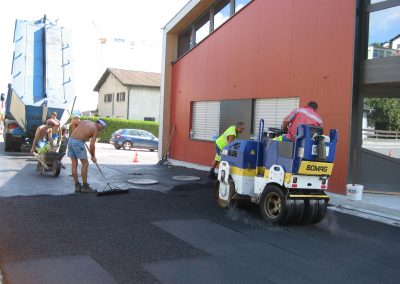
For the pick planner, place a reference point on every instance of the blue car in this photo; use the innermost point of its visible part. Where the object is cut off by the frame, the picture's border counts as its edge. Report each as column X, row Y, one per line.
column 134, row 138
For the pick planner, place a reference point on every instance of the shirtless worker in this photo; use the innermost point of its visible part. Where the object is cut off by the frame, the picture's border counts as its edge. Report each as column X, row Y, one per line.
column 57, row 130
column 75, row 121
column 85, row 130
column 44, row 132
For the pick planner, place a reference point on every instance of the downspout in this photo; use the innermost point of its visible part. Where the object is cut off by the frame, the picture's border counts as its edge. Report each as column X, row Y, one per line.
column 127, row 109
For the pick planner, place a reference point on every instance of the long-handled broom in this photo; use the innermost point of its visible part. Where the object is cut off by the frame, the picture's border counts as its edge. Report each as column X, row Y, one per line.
column 109, row 188
column 164, row 155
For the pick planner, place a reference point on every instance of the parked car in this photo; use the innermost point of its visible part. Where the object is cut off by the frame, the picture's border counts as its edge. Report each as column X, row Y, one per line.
column 134, row 138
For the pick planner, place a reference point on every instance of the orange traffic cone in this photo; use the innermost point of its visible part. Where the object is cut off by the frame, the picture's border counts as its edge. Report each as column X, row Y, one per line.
column 390, row 153
column 136, row 159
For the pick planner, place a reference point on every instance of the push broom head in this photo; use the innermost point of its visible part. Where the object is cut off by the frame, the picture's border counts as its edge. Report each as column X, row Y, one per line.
column 112, row 189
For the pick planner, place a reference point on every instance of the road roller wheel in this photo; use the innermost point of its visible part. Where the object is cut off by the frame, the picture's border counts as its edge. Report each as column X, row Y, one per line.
column 310, row 207
column 314, row 211
column 273, row 204
column 229, row 190
column 290, row 211
column 321, row 212
column 295, row 211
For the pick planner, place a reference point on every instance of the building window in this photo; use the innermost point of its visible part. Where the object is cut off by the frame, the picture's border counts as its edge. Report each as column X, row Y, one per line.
column 239, row 4
column 198, row 30
column 108, row 98
column 121, row 97
column 185, row 40
column 273, row 111
column 149, row 119
column 205, row 120
column 376, row 1
column 202, row 29
column 222, row 13
column 383, row 33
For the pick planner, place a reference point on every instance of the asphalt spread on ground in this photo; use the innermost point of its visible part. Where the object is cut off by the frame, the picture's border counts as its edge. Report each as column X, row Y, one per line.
column 140, row 237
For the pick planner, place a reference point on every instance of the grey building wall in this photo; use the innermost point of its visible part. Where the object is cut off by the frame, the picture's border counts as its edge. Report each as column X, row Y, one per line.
column 144, row 102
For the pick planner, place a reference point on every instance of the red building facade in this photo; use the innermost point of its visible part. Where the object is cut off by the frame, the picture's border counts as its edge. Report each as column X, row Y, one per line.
column 268, row 49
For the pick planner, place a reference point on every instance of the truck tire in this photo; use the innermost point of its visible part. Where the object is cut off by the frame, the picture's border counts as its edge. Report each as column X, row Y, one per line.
column 220, row 202
column 7, row 145
column 17, row 147
column 273, row 204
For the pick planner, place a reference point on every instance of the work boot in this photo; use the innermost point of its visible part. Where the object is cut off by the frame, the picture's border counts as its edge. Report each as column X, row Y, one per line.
column 211, row 174
column 78, row 187
column 87, row 189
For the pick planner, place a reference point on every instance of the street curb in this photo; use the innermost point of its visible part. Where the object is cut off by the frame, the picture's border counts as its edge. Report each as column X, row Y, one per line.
column 367, row 214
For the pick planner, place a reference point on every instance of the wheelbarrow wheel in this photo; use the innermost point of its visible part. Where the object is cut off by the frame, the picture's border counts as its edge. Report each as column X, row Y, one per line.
column 41, row 169
column 56, row 168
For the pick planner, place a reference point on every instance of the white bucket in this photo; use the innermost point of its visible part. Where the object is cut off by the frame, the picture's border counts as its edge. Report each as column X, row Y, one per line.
column 354, row 191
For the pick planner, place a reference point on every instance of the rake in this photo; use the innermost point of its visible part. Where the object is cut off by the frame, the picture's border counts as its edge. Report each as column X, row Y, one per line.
column 109, row 188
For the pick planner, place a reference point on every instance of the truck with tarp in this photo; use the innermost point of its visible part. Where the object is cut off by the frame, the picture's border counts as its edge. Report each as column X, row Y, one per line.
column 42, row 81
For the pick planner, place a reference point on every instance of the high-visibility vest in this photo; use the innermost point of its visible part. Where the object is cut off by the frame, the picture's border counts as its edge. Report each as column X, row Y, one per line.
column 222, row 141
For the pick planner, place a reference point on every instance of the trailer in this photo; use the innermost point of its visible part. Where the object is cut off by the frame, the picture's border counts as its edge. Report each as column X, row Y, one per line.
column 286, row 179
column 41, row 81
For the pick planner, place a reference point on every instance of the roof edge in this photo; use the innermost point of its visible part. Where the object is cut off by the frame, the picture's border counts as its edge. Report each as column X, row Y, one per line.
column 180, row 15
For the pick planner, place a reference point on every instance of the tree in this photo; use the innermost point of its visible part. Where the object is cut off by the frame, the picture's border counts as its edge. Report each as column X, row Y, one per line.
column 386, row 114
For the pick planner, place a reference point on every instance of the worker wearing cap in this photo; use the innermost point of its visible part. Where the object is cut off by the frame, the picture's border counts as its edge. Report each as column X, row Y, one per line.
column 85, row 130
column 226, row 138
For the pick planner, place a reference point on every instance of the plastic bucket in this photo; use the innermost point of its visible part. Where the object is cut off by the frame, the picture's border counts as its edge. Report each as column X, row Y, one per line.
column 354, row 191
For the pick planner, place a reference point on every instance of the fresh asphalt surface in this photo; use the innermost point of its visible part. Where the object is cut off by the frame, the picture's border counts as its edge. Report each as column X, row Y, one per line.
column 179, row 236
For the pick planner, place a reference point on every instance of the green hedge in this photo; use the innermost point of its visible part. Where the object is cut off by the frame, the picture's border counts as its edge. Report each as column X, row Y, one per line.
column 113, row 124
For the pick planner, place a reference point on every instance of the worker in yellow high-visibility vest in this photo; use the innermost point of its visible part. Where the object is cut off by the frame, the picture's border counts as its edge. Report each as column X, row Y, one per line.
column 226, row 138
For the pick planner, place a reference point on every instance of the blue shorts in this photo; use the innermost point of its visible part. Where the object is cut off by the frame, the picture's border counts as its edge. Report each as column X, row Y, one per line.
column 77, row 149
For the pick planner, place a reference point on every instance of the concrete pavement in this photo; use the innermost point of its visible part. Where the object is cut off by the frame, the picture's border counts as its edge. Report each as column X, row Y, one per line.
column 383, row 208
column 19, row 177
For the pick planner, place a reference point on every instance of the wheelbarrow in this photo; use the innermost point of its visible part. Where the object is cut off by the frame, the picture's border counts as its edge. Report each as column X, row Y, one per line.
column 51, row 161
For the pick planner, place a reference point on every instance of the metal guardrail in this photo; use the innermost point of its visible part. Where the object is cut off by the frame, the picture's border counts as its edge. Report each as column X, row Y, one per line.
column 381, row 134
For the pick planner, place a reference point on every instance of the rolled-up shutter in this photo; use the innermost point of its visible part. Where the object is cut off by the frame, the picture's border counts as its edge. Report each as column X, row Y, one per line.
column 273, row 111
column 205, row 121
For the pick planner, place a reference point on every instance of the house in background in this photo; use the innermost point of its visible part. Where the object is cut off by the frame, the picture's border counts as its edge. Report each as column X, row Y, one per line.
column 129, row 94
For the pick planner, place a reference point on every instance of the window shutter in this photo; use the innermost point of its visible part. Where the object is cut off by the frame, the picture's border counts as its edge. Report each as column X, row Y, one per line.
column 273, row 111
column 205, row 123
column 284, row 107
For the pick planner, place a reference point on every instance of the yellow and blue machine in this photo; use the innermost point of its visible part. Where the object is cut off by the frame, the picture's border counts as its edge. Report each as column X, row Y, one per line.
column 287, row 179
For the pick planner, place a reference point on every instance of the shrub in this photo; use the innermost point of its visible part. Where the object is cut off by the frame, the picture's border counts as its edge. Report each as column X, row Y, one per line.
column 113, row 124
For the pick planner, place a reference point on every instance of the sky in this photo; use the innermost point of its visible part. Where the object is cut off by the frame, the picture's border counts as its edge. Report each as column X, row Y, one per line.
column 384, row 25
column 133, row 29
